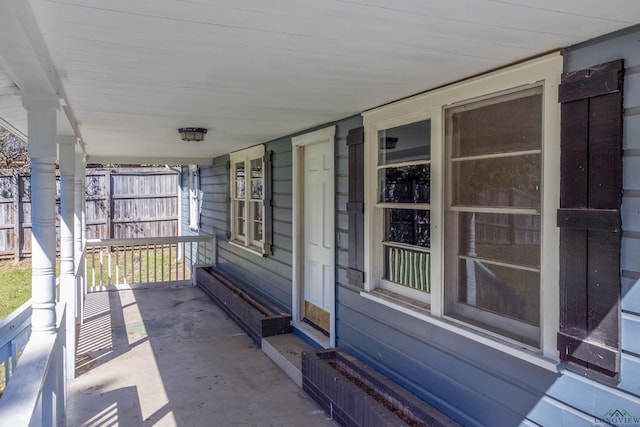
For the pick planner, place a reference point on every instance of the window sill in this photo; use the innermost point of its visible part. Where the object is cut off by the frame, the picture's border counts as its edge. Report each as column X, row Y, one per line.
column 420, row 310
column 247, row 248
column 405, row 301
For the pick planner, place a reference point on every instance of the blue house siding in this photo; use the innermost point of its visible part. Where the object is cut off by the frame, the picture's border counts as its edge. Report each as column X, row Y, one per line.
column 213, row 202
column 342, row 197
column 625, row 45
column 478, row 385
column 184, row 203
column 270, row 275
column 471, row 382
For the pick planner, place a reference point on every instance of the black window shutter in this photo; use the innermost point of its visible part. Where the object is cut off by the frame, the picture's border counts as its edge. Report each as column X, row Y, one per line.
column 355, row 206
column 589, row 217
column 268, row 204
column 229, row 180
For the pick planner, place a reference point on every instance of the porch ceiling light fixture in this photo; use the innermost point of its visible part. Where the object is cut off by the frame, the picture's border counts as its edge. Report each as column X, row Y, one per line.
column 192, row 134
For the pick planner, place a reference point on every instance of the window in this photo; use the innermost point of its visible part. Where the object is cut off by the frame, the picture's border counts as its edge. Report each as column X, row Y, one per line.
column 493, row 173
column 461, row 193
column 403, row 171
column 194, row 196
column 248, row 194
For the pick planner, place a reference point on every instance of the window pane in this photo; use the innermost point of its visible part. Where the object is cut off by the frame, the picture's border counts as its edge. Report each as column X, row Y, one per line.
column 239, row 168
column 493, row 259
column 501, row 182
column 240, row 218
column 408, row 268
column 256, row 178
column 257, row 220
column 407, row 143
column 256, row 168
column 407, row 184
column 508, row 123
column 505, row 291
column 256, row 188
column 511, row 239
column 257, row 231
column 408, row 226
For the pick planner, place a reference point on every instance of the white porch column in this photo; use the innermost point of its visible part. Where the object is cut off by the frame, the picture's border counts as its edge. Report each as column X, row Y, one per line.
column 68, row 288
column 41, row 116
column 78, row 234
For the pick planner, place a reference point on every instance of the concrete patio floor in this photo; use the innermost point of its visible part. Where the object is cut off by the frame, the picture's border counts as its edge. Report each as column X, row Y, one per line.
column 170, row 357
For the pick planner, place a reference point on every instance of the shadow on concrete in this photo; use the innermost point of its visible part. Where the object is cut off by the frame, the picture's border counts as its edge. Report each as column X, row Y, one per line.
column 102, row 335
column 170, row 357
column 115, row 406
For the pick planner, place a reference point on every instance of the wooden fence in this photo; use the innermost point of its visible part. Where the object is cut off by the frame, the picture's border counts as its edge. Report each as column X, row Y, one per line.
column 120, row 203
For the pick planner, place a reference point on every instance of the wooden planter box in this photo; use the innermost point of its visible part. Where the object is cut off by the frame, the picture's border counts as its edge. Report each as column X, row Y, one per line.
column 356, row 395
column 254, row 314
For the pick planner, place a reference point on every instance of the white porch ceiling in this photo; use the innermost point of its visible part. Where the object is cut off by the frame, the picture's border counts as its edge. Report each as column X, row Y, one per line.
column 133, row 71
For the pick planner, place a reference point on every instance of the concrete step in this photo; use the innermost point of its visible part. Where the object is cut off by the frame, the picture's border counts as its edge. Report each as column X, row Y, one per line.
column 286, row 352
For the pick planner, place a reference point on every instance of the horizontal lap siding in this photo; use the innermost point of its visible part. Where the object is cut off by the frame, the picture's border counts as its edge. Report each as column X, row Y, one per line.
column 468, row 381
column 185, row 229
column 184, row 203
column 213, row 187
column 472, row 382
column 281, row 197
column 270, row 275
column 212, row 199
column 342, row 216
column 587, row 397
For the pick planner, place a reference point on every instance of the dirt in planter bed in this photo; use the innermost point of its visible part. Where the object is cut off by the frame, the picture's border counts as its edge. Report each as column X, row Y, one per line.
column 377, row 396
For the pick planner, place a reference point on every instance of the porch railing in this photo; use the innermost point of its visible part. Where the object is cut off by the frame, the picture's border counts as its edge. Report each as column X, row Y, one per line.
column 14, row 334
column 154, row 261
column 36, row 393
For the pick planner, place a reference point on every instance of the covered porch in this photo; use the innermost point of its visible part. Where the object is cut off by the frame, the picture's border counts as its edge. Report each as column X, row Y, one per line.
column 171, row 357
column 113, row 83
column 151, row 348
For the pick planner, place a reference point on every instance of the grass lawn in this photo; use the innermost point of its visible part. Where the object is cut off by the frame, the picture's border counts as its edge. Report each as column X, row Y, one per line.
column 135, row 265
column 15, row 278
column 15, row 290
column 15, row 285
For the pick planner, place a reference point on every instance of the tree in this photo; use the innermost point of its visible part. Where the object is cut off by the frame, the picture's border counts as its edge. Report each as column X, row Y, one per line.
column 13, row 152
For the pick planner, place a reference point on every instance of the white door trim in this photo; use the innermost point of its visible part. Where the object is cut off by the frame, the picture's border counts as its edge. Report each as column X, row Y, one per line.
column 297, row 292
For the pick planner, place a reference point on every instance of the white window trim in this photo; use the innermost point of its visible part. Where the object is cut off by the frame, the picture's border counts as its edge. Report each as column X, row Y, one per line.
column 246, row 155
column 194, row 197
column 378, row 216
column 477, row 336
column 431, row 105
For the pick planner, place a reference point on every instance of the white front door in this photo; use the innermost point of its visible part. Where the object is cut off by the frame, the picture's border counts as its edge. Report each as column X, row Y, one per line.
column 318, row 246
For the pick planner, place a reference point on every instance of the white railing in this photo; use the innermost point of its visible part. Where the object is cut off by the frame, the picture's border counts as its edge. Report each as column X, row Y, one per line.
column 14, row 334
column 81, row 284
column 36, row 394
column 150, row 261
